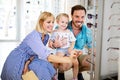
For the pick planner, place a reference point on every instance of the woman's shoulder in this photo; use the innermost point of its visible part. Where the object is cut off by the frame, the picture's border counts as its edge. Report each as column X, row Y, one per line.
column 34, row 34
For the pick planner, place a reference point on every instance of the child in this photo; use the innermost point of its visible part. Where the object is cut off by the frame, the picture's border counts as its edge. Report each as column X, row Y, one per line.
column 69, row 40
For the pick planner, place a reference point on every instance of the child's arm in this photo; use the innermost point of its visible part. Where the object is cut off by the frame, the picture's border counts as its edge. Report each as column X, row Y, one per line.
column 71, row 47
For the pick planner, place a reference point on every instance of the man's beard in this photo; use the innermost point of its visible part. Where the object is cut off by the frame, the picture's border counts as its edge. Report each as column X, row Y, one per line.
column 78, row 24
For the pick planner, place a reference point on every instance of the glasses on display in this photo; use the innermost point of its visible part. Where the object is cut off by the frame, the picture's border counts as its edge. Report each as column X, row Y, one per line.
column 112, row 59
column 90, row 16
column 114, row 48
column 115, row 37
column 114, row 3
column 112, row 15
column 89, row 25
column 113, row 26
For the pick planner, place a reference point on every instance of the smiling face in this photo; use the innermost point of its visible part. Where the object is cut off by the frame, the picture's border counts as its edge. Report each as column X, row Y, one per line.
column 62, row 23
column 78, row 18
column 48, row 24
column 45, row 22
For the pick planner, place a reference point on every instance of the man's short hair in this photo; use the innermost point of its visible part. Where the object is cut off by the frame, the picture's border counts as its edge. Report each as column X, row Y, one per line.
column 77, row 7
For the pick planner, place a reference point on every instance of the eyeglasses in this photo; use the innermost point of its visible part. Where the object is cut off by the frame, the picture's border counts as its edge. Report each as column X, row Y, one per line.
column 114, row 4
column 115, row 37
column 116, row 14
column 113, row 26
column 89, row 25
column 90, row 16
column 112, row 59
column 115, row 48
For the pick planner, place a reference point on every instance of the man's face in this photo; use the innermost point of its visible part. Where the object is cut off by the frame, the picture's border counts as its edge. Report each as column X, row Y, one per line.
column 78, row 18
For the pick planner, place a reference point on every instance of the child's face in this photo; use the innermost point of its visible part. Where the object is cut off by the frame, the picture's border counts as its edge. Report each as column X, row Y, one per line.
column 63, row 22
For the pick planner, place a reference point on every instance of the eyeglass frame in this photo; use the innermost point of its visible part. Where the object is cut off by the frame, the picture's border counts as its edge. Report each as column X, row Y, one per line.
column 114, row 4
column 113, row 26
column 115, row 37
column 115, row 48
column 90, row 16
column 91, row 25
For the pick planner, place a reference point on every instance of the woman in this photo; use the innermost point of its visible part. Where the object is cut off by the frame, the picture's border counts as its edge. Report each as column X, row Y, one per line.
column 34, row 45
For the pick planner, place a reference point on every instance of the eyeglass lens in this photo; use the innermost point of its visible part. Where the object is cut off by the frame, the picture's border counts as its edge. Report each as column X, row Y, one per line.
column 90, row 16
column 89, row 25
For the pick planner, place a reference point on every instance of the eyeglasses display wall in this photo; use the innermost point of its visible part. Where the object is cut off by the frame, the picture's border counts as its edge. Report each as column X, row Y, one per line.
column 92, row 13
column 110, row 40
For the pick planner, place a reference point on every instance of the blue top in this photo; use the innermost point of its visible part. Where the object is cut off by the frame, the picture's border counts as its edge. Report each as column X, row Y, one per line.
column 83, row 38
column 32, row 45
column 33, row 40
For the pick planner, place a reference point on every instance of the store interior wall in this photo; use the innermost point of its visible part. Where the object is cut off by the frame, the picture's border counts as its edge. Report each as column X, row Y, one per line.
column 111, row 38
column 108, row 45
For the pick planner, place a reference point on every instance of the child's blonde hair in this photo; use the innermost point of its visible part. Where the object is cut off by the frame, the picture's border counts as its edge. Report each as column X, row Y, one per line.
column 61, row 15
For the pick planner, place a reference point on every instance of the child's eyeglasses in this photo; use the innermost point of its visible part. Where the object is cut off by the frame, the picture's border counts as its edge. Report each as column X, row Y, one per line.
column 90, row 16
column 89, row 25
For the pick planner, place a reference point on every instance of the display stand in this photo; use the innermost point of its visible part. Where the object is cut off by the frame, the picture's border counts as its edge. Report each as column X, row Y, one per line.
column 108, row 49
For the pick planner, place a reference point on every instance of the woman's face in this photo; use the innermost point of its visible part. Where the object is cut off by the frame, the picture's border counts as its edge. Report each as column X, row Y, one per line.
column 48, row 24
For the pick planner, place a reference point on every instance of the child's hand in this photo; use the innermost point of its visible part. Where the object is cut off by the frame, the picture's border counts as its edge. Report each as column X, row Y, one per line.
column 79, row 53
column 74, row 54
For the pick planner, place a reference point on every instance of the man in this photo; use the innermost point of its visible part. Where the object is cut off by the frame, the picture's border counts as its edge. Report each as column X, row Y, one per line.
column 83, row 37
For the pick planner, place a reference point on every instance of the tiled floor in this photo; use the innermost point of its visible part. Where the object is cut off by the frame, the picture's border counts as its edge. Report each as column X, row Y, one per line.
column 68, row 75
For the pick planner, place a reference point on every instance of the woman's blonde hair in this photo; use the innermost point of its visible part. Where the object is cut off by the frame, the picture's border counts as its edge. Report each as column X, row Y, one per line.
column 61, row 15
column 43, row 16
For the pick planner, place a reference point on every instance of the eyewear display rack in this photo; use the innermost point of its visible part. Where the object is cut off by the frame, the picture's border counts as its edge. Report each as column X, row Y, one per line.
column 91, row 22
column 108, row 40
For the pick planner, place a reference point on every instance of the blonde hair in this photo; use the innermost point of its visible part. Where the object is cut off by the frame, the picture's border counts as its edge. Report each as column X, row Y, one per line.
column 61, row 15
column 43, row 16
